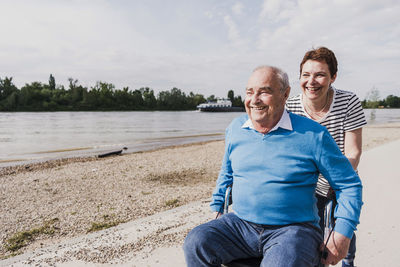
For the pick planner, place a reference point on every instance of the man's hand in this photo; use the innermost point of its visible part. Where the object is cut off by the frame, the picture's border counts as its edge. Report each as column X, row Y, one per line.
column 337, row 248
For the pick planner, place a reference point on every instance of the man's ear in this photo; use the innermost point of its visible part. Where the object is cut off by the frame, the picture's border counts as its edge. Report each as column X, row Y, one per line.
column 286, row 93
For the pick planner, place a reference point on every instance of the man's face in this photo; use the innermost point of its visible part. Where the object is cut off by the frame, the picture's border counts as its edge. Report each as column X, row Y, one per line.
column 264, row 101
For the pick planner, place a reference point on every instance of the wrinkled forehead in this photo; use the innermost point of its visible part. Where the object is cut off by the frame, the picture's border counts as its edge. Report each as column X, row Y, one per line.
column 263, row 78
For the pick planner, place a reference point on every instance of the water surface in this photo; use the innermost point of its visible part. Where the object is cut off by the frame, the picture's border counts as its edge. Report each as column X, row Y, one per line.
column 30, row 136
column 41, row 135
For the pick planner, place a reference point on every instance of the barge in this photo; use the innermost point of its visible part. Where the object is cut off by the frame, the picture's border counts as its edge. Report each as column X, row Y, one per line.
column 222, row 105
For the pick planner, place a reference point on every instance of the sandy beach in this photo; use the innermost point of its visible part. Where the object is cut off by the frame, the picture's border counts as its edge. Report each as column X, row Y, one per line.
column 149, row 200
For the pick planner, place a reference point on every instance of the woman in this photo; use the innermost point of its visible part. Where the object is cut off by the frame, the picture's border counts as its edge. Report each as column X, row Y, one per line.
column 339, row 111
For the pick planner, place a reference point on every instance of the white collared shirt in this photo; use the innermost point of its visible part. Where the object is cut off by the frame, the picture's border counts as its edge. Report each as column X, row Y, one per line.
column 284, row 123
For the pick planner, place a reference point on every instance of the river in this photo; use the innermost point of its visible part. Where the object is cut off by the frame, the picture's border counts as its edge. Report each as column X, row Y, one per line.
column 37, row 136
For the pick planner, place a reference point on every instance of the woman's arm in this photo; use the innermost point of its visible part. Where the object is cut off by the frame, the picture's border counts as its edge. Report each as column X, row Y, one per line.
column 353, row 146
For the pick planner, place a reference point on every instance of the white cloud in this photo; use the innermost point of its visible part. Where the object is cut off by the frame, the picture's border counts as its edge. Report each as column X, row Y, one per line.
column 270, row 9
column 209, row 14
column 361, row 34
column 237, row 8
column 197, row 45
column 233, row 32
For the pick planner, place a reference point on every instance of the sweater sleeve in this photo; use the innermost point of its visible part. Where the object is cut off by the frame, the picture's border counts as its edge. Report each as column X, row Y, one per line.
column 225, row 177
column 336, row 168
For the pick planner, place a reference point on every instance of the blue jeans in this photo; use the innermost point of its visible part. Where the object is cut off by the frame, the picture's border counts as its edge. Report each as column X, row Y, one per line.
column 348, row 261
column 229, row 238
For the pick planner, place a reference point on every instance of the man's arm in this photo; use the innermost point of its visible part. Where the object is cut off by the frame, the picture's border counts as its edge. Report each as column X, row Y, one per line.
column 225, row 178
column 337, row 169
column 338, row 244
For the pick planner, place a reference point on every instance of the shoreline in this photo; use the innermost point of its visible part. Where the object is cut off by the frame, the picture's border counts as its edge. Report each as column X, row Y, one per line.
column 369, row 131
column 61, row 161
column 87, row 152
column 70, row 196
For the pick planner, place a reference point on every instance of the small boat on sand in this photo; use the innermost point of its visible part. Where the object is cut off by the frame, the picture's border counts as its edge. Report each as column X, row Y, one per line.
column 112, row 153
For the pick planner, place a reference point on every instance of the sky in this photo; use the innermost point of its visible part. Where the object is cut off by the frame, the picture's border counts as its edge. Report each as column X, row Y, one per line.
column 200, row 46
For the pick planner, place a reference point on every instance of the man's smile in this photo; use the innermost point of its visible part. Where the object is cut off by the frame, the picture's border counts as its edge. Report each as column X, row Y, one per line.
column 258, row 108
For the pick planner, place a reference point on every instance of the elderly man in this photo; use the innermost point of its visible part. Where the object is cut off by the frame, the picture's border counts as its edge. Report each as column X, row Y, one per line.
column 273, row 159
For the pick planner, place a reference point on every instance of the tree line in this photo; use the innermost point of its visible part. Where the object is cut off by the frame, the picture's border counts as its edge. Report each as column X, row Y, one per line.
column 37, row 96
column 373, row 100
column 104, row 96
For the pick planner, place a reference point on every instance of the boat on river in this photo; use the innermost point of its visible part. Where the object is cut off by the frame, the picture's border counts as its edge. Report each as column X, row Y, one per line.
column 221, row 105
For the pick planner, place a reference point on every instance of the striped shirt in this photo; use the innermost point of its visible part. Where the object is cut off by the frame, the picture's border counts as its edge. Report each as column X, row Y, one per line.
column 345, row 114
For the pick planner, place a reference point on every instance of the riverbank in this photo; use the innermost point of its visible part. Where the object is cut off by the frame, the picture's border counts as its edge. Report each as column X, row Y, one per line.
column 56, row 201
column 71, row 197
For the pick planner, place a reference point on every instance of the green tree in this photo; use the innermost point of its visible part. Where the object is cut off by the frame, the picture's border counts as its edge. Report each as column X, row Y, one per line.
column 238, row 102
column 52, row 82
column 382, row 103
column 174, row 99
column 7, row 87
column 149, row 100
column 211, row 98
column 123, row 99
column 393, row 101
column 102, row 96
column 373, row 98
column 36, row 96
column 62, row 98
column 77, row 95
column 138, row 102
column 10, row 103
column 231, row 96
column 8, row 95
column 31, row 97
column 194, row 100
column 92, row 99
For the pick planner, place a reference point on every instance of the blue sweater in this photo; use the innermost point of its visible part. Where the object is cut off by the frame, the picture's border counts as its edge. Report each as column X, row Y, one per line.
column 274, row 175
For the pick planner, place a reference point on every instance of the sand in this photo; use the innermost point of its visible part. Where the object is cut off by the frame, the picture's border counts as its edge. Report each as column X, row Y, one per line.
column 138, row 192
column 70, row 196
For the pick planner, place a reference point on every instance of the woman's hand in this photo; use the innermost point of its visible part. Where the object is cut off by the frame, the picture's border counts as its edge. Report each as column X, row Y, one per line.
column 337, row 248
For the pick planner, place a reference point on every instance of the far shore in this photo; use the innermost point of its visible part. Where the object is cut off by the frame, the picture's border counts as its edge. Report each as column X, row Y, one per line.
column 67, row 198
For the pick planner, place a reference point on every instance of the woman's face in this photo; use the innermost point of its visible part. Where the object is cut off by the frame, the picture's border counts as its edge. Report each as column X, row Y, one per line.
column 315, row 80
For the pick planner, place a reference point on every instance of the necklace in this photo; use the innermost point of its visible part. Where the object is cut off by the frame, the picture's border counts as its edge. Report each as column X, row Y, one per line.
column 317, row 113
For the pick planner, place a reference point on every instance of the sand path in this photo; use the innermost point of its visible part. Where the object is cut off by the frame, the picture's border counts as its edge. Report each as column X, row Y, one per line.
column 131, row 244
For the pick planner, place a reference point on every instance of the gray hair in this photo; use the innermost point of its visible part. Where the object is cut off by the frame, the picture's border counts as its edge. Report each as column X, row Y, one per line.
column 280, row 74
